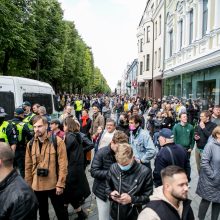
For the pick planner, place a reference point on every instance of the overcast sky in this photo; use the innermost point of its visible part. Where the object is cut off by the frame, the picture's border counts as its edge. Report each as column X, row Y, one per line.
column 109, row 27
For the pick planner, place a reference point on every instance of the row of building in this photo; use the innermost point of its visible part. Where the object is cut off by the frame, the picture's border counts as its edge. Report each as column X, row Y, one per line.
column 178, row 51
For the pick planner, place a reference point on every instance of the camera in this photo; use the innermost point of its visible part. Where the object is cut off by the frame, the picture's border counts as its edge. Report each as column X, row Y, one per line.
column 42, row 172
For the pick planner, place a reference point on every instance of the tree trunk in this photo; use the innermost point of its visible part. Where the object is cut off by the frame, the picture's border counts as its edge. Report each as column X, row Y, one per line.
column 6, row 61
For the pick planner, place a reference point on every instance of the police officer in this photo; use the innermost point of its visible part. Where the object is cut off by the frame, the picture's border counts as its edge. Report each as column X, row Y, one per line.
column 7, row 131
column 28, row 115
column 23, row 136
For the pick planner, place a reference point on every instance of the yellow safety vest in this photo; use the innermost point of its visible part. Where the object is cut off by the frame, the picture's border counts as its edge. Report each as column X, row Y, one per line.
column 27, row 121
column 3, row 134
column 78, row 105
column 19, row 127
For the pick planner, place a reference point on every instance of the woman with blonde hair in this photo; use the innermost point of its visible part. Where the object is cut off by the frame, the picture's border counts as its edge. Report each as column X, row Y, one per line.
column 209, row 180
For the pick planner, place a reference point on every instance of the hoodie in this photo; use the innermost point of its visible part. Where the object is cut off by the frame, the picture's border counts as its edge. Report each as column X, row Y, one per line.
column 150, row 214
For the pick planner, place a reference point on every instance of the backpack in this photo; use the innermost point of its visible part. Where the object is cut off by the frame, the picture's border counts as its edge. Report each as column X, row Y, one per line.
column 53, row 140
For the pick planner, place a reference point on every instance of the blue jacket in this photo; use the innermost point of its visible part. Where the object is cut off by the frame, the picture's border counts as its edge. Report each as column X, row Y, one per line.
column 142, row 145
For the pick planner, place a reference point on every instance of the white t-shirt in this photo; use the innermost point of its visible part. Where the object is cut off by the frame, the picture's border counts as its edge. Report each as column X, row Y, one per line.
column 105, row 139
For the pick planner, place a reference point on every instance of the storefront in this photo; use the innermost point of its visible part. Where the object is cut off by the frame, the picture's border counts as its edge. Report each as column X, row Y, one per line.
column 203, row 84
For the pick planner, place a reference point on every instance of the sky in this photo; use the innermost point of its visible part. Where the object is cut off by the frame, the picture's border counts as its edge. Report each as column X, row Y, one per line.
column 109, row 27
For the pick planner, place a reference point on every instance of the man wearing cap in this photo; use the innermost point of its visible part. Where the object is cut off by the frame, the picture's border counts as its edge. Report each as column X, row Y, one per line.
column 7, row 131
column 23, row 136
column 170, row 154
column 28, row 114
column 55, row 128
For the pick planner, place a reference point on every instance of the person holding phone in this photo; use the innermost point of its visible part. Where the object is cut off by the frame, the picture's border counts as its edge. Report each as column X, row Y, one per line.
column 129, row 185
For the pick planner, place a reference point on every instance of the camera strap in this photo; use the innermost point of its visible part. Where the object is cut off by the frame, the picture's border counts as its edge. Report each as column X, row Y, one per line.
column 53, row 140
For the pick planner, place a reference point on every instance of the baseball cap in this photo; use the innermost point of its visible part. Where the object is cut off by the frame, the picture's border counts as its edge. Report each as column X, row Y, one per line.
column 19, row 111
column 2, row 112
column 167, row 133
column 26, row 103
column 55, row 121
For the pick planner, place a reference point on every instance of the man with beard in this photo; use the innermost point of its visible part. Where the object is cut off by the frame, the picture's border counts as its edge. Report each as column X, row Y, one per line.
column 170, row 200
column 46, row 169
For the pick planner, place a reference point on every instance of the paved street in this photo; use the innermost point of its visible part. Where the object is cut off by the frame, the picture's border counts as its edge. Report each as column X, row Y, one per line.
column 90, row 204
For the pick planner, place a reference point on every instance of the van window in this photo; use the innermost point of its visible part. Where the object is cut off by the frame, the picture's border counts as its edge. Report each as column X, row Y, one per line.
column 43, row 99
column 56, row 104
column 7, row 101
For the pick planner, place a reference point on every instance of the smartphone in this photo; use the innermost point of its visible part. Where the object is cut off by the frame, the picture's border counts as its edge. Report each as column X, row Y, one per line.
column 116, row 196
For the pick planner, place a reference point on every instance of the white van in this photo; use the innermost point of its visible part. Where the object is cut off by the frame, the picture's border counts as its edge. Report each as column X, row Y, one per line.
column 15, row 90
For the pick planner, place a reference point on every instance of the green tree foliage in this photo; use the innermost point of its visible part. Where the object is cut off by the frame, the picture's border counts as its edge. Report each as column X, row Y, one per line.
column 36, row 42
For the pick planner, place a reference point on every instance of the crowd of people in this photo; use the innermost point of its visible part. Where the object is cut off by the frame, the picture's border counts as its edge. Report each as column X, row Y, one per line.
column 137, row 150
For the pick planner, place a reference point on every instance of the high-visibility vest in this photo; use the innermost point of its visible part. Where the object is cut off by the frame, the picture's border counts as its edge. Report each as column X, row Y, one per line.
column 27, row 121
column 19, row 128
column 3, row 135
column 78, row 105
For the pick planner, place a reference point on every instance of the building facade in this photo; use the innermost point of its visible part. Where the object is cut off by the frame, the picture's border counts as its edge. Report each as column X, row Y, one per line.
column 131, row 78
column 192, row 50
column 150, row 35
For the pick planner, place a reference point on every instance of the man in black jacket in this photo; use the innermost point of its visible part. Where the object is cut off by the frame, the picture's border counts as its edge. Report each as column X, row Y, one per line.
column 170, row 154
column 202, row 134
column 170, row 200
column 129, row 185
column 17, row 200
column 102, row 161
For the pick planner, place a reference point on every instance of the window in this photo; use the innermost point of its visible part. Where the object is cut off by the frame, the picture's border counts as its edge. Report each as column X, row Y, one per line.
column 43, row 99
column 155, row 29
column 159, row 57
column 144, row 63
column 159, row 24
column 148, row 33
column 141, row 68
column 7, row 101
column 141, row 45
column 171, row 43
column 181, row 33
column 190, row 26
column 148, row 62
column 155, row 59
column 138, row 46
column 205, row 17
column 56, row 104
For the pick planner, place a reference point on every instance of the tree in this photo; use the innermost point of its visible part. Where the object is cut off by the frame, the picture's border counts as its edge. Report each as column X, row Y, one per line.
column 17, row 39
column 36, row 42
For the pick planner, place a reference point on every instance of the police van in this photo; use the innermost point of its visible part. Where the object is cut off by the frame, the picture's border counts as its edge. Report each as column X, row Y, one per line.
column 15, row 90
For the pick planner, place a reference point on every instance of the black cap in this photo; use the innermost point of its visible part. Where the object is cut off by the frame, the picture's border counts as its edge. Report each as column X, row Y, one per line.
column 26, row 103
column 19, row 111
